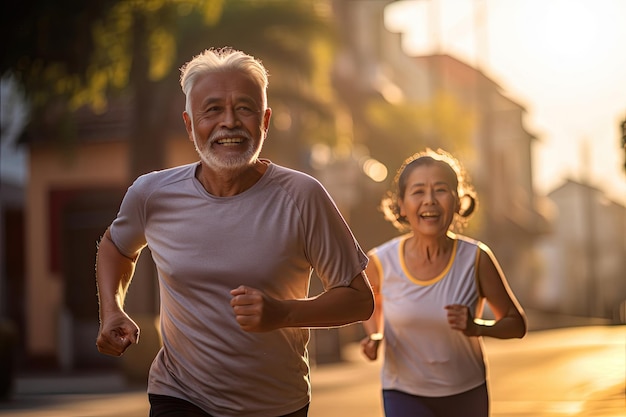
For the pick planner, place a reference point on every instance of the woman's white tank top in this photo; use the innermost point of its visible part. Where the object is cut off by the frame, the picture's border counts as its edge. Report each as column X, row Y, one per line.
column 423, row 355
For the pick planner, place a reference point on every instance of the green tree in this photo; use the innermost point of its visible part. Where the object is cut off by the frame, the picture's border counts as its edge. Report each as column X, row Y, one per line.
column 69, row 54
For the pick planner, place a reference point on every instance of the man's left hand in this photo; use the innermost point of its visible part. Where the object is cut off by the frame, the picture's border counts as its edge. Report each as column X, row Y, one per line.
column 255, row 311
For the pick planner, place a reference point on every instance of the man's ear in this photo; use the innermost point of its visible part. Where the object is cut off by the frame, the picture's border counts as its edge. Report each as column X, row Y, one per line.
column 266, row 119
column 188, row 125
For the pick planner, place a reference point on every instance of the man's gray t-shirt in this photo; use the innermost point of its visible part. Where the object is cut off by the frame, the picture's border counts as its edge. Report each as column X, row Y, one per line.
column 269, row 237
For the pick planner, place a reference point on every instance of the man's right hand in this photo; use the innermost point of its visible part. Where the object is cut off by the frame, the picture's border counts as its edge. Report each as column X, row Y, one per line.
column 117, row 332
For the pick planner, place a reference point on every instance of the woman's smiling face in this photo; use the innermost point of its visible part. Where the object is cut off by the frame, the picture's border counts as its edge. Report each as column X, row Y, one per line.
column 430, row 198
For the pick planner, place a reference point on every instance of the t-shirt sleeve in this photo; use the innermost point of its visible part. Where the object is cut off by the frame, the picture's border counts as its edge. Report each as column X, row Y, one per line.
column 331, row 247
column 127, row 230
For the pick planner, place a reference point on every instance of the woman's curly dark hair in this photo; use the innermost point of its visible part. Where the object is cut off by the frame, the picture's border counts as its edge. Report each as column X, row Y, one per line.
column 462, row 186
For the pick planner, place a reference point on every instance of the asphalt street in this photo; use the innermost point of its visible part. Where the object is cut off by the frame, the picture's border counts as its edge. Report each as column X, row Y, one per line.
column 573, row 372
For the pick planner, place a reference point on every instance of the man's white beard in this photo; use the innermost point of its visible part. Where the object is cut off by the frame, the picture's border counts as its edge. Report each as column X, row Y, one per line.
column 233, row 162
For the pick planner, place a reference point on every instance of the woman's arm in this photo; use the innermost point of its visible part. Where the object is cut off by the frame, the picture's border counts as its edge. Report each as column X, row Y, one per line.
column 510, row 320
column 374, row 325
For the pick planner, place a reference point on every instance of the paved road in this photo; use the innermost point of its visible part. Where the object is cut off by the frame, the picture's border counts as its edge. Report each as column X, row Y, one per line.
column 573, row 372
column 556, row 373
column 567, row 372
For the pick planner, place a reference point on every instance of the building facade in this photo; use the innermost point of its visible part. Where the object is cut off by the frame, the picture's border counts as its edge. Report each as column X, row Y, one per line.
column 585, row 258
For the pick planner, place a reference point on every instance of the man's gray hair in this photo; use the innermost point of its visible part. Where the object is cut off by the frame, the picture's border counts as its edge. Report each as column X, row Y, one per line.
column 219, row 60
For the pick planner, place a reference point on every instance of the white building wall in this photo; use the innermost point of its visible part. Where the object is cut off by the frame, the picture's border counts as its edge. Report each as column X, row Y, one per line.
column 586, row 255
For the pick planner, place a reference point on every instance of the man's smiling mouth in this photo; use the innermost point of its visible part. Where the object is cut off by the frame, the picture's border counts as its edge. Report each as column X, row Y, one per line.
column 229, row 141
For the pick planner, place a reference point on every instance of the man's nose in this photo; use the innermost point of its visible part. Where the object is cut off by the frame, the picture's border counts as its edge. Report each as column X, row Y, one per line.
column 230, row 118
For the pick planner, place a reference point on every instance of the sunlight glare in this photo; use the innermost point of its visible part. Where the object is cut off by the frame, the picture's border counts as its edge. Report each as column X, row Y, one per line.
column 563, row 30
column 375, row 170
column 321, row 155
column 562, row 60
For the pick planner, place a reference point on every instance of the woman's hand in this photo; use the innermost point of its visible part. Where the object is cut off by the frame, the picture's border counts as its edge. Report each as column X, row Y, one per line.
column 460, row 318
column 369, row 346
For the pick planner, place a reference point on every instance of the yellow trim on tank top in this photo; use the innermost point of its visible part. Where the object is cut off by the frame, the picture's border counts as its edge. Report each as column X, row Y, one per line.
column 435, row 279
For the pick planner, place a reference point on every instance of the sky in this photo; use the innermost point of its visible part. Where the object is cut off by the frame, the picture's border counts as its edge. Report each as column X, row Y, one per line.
column 564, row 61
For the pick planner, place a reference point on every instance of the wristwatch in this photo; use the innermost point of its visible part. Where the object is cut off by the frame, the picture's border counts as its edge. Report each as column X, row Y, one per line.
column 377, row 337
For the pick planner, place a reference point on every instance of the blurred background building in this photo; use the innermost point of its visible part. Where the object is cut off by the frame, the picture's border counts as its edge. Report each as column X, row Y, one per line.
column 349, row 113
column 584, row 256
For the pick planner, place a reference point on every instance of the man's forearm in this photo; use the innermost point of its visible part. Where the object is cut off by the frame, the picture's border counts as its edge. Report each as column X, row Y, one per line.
column 338, row 306
column 114, row 272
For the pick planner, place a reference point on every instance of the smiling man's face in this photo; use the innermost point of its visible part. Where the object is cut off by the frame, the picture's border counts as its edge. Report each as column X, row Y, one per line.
column 228, row 120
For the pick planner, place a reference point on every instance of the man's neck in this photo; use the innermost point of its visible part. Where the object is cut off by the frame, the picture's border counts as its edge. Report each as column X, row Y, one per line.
column 227, row 183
